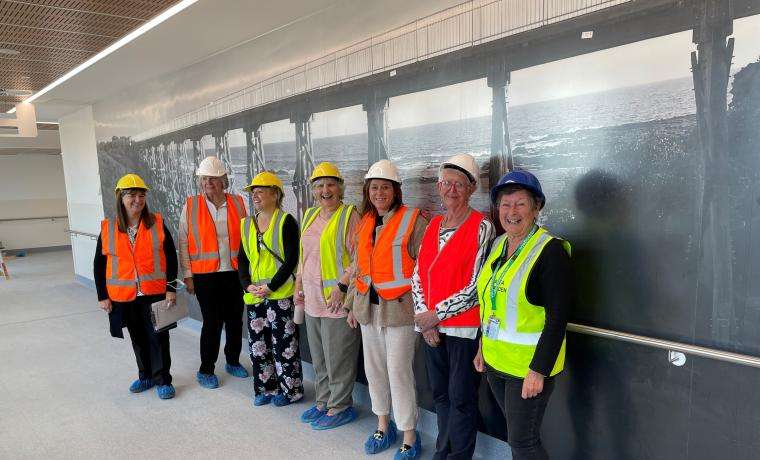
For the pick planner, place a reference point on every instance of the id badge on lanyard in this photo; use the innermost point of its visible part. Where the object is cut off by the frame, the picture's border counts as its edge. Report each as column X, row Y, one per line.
column 492, row 328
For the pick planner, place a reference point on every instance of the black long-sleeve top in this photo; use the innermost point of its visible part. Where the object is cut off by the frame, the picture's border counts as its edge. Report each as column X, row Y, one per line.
column 99, row 265
column 291, row 244
column 550, row 285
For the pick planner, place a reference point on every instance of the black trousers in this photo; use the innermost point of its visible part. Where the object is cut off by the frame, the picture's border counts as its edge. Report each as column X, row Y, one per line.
column 221, row 299
column 524, row 416
column 455, row 384
column 151, row 347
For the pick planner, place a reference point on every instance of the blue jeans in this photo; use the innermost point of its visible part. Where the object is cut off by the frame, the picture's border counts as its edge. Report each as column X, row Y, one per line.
column 524, row 416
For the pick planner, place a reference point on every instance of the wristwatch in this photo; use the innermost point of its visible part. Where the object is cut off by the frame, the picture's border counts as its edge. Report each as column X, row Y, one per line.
column 343, row 287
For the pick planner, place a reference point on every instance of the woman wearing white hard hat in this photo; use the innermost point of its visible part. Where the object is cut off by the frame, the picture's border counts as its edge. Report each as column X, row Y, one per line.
column 266, row 267
column 446, row 304
column 134, row 258
column 523, row 340
column 324, row 273
column 380, row 300
column 209, row 241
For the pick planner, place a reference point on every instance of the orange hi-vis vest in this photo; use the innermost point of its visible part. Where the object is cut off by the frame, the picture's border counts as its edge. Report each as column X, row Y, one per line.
column 128, row 266
column 387, row 264
column 201, row 236
column 446, row 271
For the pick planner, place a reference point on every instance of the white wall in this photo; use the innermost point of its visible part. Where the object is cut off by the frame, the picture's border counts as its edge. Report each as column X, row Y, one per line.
column 32, row 201
column 80, row 166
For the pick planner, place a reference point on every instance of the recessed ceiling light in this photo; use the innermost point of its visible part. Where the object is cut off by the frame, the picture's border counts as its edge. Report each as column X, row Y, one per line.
column 9, row 51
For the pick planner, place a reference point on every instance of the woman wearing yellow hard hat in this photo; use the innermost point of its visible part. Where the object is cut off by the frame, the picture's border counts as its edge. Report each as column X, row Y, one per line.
column 134, row 258
column 380, row 300
column 266, row 267
column 321, row 283
column 209, row 243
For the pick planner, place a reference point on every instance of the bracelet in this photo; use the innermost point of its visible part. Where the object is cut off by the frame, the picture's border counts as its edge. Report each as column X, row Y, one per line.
column 343, row 287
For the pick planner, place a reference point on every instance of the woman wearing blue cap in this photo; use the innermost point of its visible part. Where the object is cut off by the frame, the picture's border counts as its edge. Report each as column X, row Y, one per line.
column 525, row 294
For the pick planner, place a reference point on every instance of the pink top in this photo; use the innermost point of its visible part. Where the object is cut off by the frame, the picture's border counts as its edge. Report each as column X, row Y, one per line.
column 311, row 266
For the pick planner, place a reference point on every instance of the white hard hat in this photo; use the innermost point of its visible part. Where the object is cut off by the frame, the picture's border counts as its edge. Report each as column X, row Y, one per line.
column 211, row 166
column 383, row 169
column 464, row 162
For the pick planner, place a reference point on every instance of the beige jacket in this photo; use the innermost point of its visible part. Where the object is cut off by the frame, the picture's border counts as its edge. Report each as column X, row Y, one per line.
column 396, row 312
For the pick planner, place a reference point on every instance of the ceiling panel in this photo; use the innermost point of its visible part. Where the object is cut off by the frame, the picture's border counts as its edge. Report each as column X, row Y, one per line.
column 54, row 36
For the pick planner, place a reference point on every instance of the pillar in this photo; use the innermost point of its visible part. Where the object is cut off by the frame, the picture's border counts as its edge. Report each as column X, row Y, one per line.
column 711, row 64
column 501, row 149
column 377, row 129
column 304, row 162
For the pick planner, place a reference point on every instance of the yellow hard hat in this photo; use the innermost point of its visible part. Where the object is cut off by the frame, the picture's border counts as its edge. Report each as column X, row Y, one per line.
column 325, row 169
column 264, row 179
column 130, row 181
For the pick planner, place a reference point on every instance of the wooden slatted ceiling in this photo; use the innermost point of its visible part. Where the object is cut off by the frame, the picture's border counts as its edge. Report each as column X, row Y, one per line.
column 54, row 36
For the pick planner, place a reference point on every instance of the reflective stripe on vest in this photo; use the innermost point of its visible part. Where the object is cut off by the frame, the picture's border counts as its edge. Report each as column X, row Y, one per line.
column 204, row 258
column 520, row 322
column 373, row 259
column 332, row 254
column 123, row 287
column 272, row 237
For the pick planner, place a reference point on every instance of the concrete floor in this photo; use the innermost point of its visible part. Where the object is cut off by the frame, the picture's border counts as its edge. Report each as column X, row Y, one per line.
column 64, row 388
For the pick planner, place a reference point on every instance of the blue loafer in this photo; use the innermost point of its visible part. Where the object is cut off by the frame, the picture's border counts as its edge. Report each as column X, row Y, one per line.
column 207, row 380
column 328, row 422
column 406, row 451
column 140, row 385
column 165, row 391
column 379, row 441
column 236, row 371
column 262, row 400
column 313, row 414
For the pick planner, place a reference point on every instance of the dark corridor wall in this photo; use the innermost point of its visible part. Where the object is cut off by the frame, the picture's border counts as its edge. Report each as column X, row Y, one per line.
column 625, row 177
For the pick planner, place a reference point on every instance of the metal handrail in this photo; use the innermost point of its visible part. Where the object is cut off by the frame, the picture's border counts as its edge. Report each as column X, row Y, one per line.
column 77, row 233
column 34, row 218
column 720, row 355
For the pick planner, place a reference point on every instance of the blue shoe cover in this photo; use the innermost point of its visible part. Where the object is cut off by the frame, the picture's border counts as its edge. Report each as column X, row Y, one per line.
column 207, row 380
column 165, row 391
column 262, row 400
column 140, row 385
column 406, row 451
column 236, row 371
column 328, row 422
column 281, row 400
column 379, row 441
column 313, row 414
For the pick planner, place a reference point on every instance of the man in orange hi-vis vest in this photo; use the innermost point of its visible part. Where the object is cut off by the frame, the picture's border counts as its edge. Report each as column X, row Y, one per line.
column 209, row 241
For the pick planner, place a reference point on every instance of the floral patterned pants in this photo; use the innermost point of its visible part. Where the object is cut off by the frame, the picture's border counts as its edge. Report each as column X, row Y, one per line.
column 273, row 345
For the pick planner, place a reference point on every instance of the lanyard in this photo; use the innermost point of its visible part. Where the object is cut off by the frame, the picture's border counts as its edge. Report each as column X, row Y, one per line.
column 495, row 284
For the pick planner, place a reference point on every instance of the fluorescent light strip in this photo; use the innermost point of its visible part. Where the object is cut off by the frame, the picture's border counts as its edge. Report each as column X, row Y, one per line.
column 113, row 47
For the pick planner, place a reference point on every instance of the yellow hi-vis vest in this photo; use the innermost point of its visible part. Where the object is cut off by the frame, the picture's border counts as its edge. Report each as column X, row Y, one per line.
column 333, row 253
column 263, row 265
column 520, row 322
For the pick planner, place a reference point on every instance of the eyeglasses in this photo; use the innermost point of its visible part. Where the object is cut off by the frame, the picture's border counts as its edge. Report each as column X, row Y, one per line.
column 460, row 186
